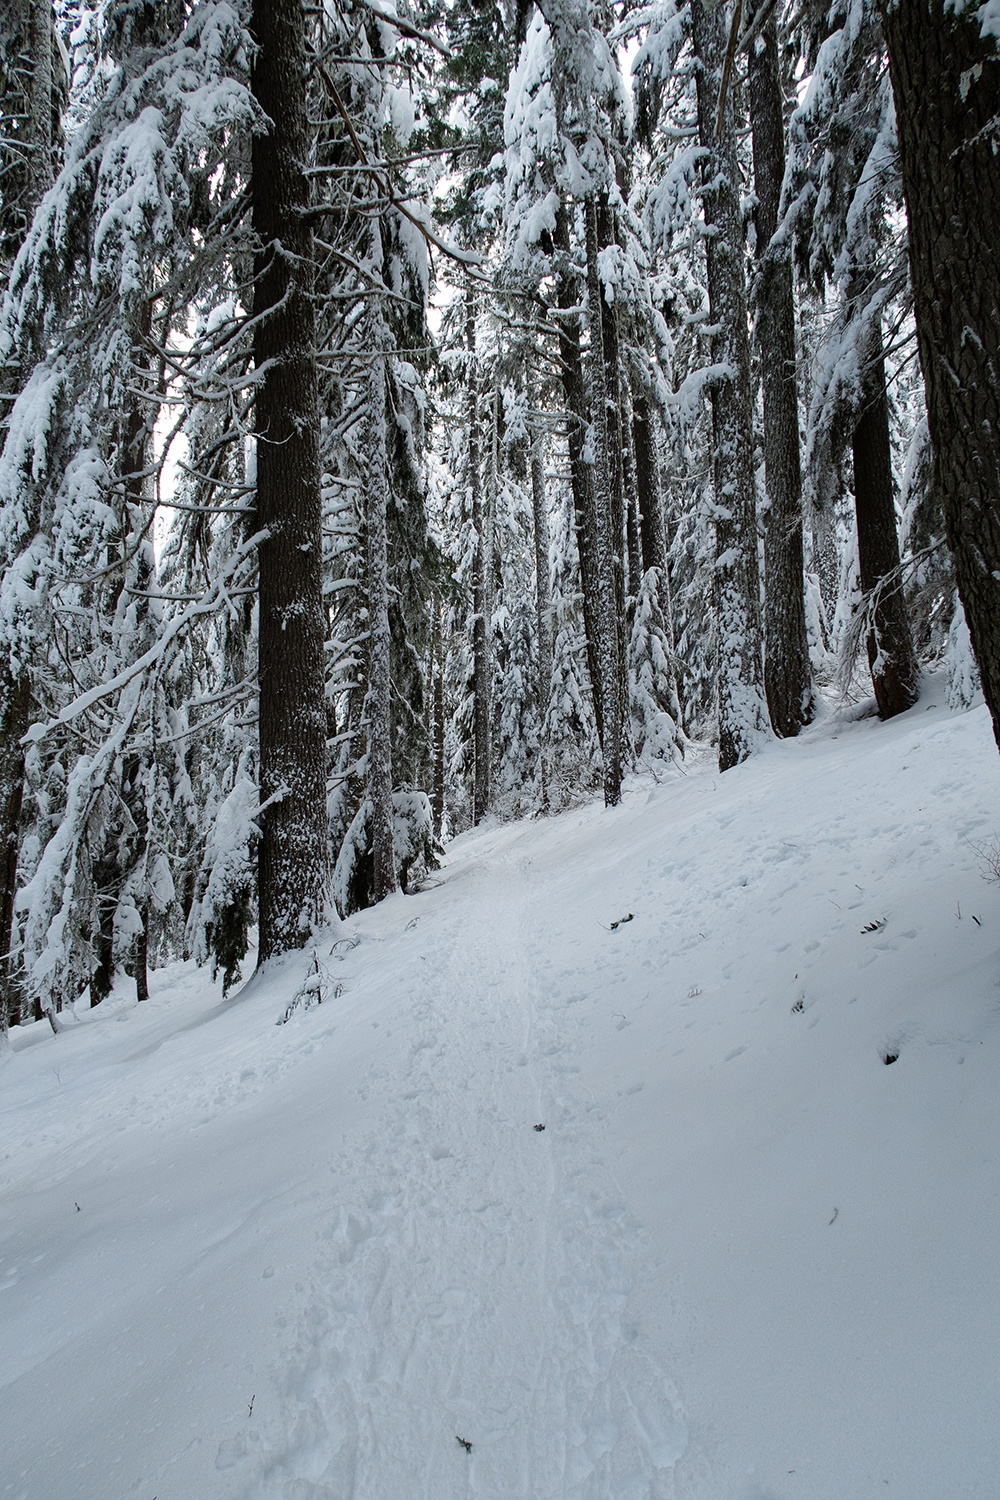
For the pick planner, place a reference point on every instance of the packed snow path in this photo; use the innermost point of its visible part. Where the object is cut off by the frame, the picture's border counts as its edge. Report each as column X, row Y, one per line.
column 750, row 1256
column 474, row 1278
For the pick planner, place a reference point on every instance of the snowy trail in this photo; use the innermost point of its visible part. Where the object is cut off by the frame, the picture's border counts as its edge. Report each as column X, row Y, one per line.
column 474, row 1279
column 745, row 1260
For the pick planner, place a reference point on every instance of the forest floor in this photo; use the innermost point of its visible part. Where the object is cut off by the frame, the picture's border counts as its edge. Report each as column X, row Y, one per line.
column 745, row 1259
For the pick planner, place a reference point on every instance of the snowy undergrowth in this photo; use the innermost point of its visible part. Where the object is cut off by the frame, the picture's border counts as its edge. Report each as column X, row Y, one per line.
column 746, row 1258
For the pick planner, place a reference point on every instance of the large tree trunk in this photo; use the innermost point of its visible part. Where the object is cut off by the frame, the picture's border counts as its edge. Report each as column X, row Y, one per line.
column 895, row 674
column 378, row 704
column 293, row 854
column 581, row 479
column 15, row 704
column 438, row 717
column 482, row 603
column 608, row 537
column 543, row 602
column 622, row 502
column 742, row 710
column 33, row 22
column 787, row 674
column 945, row 83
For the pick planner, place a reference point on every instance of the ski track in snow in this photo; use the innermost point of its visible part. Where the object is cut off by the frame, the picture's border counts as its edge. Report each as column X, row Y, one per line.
column 473, row 1280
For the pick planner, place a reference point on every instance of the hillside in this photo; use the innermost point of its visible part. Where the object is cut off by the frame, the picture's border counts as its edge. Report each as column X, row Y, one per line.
column 745, row 1259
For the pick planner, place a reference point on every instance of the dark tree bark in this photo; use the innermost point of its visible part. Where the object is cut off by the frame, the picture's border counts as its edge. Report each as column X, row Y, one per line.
column 378, row 706
column 895, row 675
column 142, row 959
column 15, row 705
column 438, row 728
column 543, row 601
column 482, row 578
column 293, row 856
column 617, row 501
column 787, row 673
column 33, row 22
column 947, row 92
column 622, row 527
column 742, row 710
column 26, row 37
column 581, row 479
column 608, row 612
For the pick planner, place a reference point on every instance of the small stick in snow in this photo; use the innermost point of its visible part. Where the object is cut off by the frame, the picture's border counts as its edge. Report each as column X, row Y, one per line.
column 976, row 920
column 252, row 1400
column 835, row 1211
column 464, row 1442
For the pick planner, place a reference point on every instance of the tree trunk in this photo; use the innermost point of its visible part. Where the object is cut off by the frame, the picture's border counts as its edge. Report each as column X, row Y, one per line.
column 609, row 612
column 482, row 655
column 945, row 83
column 543, row 602
column 35, row 25
column 787, row 674
column 652, row 535
column 141, row 959
column 379, row 703
column 40, row 22
column 438, row 732
column 293, row 854
column 581, row 478
column 742, row 709
column 15, row 705
column 895, row 674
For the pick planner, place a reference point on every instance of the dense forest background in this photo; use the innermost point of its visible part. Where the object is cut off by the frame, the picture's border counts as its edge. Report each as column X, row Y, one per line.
column 420, row 413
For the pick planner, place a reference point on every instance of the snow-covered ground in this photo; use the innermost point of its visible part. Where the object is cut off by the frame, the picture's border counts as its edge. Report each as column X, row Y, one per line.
column 744, row 1260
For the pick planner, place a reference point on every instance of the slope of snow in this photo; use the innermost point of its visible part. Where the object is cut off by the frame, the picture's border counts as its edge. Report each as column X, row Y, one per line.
column 744, row 1260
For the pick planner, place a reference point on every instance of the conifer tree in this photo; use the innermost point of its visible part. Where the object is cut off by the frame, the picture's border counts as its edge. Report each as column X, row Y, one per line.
column 742, row 710
column 944, row 65
column 787, row 672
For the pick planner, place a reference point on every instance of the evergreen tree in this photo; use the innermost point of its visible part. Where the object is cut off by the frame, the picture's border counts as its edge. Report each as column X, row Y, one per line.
column 944, row 61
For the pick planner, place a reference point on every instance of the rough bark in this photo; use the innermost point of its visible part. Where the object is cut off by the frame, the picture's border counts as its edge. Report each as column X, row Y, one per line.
column 33, row 19
column 482, row 656
column 142, row 959
column 617, row 498
column 608, row 615
column 378, row 707
column 543, row 602
column 581, row 479
column 40, row 22
column 947, row 93
column 742, row 709
column 895, row 675
column 787, row 673
column 438, row 730
column 15, row 706
column 293, row 855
